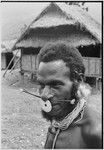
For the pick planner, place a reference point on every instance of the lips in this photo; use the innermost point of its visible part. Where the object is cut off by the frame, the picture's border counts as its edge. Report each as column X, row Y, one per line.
column 56, row 107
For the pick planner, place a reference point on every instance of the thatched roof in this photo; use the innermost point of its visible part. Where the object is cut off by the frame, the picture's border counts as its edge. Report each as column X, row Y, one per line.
column 84, row 19
column 56, row 15
column 39, row 40
column 6, row 46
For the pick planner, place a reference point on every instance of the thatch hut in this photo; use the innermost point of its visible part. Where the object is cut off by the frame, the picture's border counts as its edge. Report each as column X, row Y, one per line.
column 7, row 55
column 62, row 22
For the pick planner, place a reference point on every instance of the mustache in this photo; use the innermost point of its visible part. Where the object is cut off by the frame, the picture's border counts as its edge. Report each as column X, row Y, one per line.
column 50, row 99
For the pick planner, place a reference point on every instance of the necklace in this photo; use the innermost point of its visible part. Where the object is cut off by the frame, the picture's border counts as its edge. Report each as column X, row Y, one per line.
column 64, row 124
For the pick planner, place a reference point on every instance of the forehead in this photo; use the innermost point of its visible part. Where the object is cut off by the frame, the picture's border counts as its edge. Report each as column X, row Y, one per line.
column 54, row 69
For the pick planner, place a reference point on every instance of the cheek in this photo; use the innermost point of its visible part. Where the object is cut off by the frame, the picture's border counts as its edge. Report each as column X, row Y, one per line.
column 54, row 91
column 66, row 90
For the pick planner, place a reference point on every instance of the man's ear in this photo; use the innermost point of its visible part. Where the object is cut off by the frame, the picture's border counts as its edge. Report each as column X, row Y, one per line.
column 74, row 90
column 78, row 77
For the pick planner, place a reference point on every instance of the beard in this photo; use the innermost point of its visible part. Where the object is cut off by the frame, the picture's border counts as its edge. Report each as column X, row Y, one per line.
column 59, row 112
column 62, row 109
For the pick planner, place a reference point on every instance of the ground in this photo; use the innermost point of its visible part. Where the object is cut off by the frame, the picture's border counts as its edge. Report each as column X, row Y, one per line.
column 22, row 126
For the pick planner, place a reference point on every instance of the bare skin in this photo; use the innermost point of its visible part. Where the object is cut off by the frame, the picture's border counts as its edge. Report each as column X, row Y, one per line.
column 55, row 85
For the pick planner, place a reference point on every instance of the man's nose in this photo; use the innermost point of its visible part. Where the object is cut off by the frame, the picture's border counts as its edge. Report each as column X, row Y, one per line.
column 46, row 93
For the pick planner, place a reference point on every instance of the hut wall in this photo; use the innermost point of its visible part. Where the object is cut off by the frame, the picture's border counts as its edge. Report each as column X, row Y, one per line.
column 93, row 66
column 29, row 63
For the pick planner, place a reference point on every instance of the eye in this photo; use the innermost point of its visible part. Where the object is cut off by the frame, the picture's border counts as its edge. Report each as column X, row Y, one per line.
column 55, row 86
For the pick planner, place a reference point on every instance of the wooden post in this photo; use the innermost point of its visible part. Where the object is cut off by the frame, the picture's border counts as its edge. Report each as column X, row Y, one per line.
column 100, row 51
column 22, row 77
column 97, row 79
column 31, row 67
column 35, row 62
column 32, row 76
column 21, row 71
column 21, row 60
column 99, row 84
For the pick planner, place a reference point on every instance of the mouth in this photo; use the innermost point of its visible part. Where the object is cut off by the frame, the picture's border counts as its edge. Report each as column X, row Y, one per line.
column 58, row 103
column 53, row 106
column 50, row 107
column 56, row 107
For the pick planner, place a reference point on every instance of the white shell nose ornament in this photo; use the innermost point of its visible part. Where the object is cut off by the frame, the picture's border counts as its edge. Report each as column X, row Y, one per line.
column 46, row 106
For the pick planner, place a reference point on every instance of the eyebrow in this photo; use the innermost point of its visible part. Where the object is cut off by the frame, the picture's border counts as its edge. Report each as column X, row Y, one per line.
column 51, row 82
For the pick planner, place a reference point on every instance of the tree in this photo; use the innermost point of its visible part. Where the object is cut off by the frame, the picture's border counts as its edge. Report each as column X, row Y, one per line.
column 80, row 4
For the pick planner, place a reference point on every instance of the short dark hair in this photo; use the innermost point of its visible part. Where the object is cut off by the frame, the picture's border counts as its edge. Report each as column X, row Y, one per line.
column 63, row 51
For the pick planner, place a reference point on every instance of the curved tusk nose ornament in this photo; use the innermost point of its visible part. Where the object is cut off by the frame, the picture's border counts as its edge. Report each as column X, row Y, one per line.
column 46, row 106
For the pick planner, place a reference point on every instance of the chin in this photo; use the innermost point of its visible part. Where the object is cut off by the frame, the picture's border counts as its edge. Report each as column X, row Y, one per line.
column 54, row 114
column 46, row 115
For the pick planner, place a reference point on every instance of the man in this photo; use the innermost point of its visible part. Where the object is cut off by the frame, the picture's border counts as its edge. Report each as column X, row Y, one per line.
column 60, row 76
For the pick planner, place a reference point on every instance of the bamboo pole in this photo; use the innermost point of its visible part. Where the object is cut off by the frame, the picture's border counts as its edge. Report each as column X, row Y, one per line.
column 31, row 66
column 14, row 65
column 10, row 63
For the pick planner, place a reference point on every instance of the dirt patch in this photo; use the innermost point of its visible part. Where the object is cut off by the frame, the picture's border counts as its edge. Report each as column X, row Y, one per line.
column 21, row 123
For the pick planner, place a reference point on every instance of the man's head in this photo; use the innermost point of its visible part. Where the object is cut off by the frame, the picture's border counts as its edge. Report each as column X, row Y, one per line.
column 60, row 69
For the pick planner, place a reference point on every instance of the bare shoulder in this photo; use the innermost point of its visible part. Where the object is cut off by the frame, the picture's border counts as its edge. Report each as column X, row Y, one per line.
column 92, row 129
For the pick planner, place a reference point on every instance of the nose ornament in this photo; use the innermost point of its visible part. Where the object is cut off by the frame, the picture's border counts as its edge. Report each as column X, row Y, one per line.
column 46, row 106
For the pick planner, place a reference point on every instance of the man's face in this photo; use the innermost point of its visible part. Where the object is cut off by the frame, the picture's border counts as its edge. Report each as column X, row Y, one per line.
column 54, row 84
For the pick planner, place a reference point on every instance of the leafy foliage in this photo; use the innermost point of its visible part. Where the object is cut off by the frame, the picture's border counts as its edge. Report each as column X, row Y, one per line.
column 80, row 4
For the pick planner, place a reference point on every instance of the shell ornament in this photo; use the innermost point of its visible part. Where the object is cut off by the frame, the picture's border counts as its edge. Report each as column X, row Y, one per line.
column 46, row 106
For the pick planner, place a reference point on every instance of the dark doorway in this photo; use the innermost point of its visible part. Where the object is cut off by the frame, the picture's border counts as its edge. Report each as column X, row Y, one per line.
column 91, row 81
column 90, row 51
column 9, row 56
column 30, row 50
